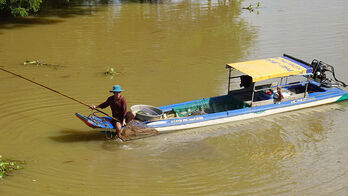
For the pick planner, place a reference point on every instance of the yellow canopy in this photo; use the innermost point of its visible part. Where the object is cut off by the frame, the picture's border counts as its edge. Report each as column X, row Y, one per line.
column 270, row 68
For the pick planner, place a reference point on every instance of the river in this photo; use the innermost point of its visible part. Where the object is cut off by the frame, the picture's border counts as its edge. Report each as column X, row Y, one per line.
column 167, row 52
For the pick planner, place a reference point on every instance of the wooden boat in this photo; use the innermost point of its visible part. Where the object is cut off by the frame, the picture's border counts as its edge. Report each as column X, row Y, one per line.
column 256, row 96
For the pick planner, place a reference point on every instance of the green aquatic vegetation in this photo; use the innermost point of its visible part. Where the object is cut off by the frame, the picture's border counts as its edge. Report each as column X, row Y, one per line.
column 252, row 7
column 8, row 165
column 110, row 71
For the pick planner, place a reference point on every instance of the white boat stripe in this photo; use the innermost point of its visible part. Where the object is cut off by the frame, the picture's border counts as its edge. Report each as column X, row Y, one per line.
column 248, row 116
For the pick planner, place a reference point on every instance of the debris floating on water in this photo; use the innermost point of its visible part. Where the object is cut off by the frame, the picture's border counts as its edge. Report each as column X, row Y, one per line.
column 252, row 7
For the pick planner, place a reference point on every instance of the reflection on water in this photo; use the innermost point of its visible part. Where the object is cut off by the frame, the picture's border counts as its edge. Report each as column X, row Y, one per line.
column 165, row 52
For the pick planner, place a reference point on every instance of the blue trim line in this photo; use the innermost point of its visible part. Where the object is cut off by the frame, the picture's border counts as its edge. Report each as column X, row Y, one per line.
column 308, row 68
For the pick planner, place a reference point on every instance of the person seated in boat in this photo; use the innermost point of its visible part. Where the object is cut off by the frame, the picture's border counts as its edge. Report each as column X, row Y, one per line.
column 246, row 81
column 278, row 96
column 118, row 105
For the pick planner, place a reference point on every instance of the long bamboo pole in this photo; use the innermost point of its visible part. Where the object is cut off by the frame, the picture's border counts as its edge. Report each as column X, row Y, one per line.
column 67, row 96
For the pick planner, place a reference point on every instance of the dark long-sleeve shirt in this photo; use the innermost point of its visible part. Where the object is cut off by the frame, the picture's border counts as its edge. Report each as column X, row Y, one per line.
column 118, row 107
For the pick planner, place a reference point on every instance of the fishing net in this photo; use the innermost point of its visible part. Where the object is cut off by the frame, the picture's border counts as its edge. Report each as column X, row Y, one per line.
column 133, row 130
column 137, row 130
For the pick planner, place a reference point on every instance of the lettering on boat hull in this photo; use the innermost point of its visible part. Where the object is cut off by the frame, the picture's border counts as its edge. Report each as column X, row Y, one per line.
column 187, row 119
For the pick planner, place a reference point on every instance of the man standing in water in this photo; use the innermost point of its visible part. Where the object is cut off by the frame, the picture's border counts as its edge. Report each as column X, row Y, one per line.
column 118, row 105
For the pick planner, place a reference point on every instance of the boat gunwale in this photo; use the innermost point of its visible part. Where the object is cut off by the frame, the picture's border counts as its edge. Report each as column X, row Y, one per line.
column 245, row 116
column 313, row 97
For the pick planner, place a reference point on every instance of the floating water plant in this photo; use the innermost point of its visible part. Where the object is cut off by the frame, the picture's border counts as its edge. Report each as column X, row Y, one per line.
column 36, row 62
column 7, row 166
column 39, row 63
column 110, row 71
column 252, row 7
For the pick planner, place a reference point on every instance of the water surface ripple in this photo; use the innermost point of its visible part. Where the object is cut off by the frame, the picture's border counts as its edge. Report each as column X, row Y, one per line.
column 165, row 53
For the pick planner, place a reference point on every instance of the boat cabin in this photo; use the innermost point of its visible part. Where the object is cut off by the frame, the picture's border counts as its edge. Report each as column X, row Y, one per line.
column 260, row 79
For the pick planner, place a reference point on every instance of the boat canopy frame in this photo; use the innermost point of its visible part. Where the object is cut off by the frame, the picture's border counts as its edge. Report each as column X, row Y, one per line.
column 270, row 68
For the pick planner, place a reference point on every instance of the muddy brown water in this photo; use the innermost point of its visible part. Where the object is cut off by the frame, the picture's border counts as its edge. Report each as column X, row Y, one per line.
column 166, row 53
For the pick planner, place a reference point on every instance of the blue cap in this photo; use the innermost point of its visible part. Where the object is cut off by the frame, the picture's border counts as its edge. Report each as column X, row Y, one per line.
column 116, row 88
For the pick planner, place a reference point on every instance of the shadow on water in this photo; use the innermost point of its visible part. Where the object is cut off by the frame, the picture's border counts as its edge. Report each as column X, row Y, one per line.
column 74, row 136
column 12, row 23
column 70, row 135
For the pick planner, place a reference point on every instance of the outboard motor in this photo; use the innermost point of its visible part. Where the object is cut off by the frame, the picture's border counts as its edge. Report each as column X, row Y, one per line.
column 319, row 75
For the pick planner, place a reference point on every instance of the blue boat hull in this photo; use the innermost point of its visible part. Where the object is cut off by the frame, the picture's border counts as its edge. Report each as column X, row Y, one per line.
column 324, row 96
column 221, row 109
